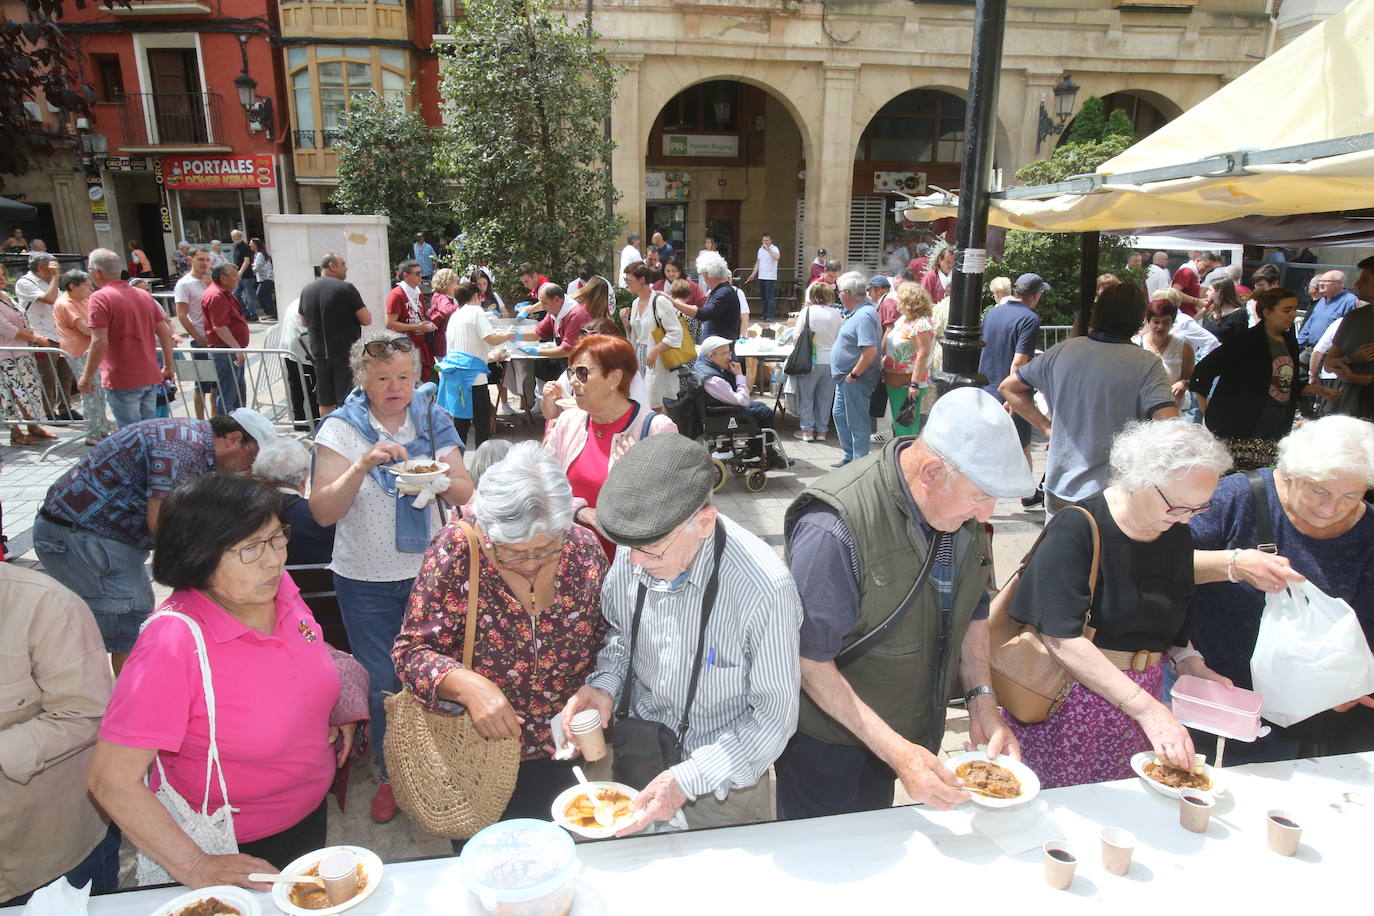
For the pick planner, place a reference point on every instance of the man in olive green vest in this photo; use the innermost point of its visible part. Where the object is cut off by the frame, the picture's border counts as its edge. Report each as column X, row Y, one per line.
column 877, row 668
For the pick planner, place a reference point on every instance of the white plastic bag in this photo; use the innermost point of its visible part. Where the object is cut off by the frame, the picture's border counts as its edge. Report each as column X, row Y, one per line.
column 1311, row 655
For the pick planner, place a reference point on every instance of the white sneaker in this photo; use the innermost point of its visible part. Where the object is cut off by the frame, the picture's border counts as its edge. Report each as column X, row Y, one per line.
column 504, row 410
column 804, row 435
column 877, row 439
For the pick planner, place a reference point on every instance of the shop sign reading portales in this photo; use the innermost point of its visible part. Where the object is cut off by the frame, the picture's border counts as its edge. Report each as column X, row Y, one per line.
column 218, row 172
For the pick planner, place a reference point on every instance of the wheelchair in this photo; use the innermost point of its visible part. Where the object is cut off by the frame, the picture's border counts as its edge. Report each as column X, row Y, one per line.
column 739, row 447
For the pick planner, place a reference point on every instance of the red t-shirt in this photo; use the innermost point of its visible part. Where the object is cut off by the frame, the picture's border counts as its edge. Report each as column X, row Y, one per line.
column 588, row 470
column 221, row 310
column 564, row 332
column 1185, row 281
column 816, row 271
column 887, row 312
column 398, row 303
column 131, row 317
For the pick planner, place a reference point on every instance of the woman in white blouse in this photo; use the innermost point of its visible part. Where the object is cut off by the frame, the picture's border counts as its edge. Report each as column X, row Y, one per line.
column 650, row 312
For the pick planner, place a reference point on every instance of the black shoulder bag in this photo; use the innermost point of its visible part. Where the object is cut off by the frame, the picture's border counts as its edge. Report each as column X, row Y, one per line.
column 643, row 748
column 1264, row 528
column 800, row 360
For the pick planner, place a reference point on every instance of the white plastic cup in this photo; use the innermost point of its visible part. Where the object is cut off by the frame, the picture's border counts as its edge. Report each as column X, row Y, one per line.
column 588, row 735
column 339, row 871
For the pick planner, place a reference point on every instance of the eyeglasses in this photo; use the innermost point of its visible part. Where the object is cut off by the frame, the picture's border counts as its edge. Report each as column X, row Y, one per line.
column 664, row 549
column 414, row 273
column 1182, row 510
column 381, row 348
column 508, row 559
column 252, row 553
column 581, row 373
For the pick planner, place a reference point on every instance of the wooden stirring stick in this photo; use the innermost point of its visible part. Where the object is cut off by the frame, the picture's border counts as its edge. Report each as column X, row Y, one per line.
column 288, row 879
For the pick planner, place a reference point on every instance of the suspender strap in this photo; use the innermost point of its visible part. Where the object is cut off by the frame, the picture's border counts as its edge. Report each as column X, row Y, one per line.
column 1264, row 528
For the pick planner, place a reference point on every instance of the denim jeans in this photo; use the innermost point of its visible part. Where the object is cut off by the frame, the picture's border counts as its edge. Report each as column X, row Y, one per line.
column 232, row 391
column 768, row 292
column 247, row 294
column 851, row 416
column 129, row 405
column 815, row 398
column 108, row 575
column 372, row 613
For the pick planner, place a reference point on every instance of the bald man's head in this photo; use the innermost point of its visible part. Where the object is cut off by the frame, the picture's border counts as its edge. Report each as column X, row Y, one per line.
column 1162, row 258
column 1334, row 282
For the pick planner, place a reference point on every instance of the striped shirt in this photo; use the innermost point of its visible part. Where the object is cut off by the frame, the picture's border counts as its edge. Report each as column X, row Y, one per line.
column 746, row 704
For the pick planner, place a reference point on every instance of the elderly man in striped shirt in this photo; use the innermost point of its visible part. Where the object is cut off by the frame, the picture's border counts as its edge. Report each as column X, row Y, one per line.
column 703, row 643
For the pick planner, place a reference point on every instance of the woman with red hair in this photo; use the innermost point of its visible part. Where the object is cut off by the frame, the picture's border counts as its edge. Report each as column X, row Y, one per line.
column 587, row 439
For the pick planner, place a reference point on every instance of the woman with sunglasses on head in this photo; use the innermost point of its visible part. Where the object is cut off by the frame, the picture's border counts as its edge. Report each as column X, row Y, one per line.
column 587, row 439
column 279, row 732
column 539, row 626
column 382, row 529
column 1115, row 640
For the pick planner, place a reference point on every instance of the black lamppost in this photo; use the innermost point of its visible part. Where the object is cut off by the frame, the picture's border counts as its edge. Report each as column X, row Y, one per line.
column 1065, row 91
column 963, row 338
column 256, row 107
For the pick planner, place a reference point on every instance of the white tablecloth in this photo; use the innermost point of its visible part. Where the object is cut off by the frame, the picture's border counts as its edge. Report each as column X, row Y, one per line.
column 751, row 349
column 916, row 859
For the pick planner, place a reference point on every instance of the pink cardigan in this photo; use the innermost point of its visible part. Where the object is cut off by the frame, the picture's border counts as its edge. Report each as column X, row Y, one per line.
column 567, row 435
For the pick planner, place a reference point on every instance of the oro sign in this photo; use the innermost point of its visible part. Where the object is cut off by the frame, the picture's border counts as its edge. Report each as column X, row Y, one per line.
column 218, row 172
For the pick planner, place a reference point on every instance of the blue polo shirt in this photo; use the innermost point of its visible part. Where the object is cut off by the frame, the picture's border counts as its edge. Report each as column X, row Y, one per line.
column 861, row 328
column 1008, row 329
column 1324, row 311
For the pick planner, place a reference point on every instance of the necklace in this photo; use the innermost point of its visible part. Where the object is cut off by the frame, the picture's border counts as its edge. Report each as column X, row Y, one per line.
column 602, row 430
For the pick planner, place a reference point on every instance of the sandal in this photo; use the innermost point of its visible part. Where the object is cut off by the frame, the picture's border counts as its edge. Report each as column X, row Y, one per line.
column 18, row 439
column 38, row 433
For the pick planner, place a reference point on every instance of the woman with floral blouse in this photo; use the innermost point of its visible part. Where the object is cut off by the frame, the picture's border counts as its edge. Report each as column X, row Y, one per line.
column 540, row 626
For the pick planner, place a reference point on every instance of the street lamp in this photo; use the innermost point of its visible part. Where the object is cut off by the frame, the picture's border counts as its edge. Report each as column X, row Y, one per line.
column 256, row 107
column 1065, row 92
column 721, row 105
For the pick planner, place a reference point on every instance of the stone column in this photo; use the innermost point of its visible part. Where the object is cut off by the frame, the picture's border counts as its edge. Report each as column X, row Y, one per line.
column 830, row 167
column 627, row 162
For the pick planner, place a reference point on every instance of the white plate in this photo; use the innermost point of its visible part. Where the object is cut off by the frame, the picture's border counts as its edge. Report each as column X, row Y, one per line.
column 1030, row 783
column 566, row 403
column 592, row 833
column 403, row 473
column 372, row 867
column 1139, row 760
column 237, row 897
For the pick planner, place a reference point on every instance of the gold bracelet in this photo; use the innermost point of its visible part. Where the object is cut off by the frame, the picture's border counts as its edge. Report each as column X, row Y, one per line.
column 1122, row 705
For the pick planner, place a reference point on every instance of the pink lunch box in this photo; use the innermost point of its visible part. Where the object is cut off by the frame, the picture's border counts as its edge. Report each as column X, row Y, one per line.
column 1210, row 707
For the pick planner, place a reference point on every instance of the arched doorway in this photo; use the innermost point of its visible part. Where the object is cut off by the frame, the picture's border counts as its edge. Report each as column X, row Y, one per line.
column 914, row 141
column 724, row 160
column 1147, row 114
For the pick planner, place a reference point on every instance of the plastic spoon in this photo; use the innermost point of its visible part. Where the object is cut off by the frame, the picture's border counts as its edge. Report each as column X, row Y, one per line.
column 287, row 879
column 604, row 812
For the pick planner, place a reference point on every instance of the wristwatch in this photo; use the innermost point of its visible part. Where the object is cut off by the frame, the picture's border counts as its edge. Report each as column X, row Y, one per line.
column 977, row 692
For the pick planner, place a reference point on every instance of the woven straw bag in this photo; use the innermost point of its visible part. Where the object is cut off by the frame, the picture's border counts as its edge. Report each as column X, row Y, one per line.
column 1029, row 682
column 447, row 777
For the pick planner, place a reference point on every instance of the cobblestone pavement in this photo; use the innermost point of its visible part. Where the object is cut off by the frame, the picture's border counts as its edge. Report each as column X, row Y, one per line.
column 26, row 477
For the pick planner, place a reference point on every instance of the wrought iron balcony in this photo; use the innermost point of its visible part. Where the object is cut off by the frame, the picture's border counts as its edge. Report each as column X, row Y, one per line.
column 171, row 118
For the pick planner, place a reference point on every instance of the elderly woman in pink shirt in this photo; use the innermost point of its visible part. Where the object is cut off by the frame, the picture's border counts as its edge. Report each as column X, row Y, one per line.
column 72, row 315
column 279, row 728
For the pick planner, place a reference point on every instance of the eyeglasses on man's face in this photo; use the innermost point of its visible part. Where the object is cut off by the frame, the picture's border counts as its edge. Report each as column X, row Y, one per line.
column 381, row 348
column 252, row 552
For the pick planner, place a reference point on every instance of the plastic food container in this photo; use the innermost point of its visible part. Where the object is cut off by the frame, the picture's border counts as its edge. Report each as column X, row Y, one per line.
column 521, row 867
column 1210, row 707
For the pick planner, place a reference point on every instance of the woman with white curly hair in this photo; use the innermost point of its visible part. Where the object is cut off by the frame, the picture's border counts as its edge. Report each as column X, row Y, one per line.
column 1116, row 640
column 1322, row 530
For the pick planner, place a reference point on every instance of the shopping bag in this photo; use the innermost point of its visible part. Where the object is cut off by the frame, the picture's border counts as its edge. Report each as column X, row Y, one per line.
column 1311, row 655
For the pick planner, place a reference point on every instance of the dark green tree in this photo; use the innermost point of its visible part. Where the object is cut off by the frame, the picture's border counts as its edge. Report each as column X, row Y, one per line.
column 390, row 164
column 1119, row 125
column 1090, row 123
column 527, row 94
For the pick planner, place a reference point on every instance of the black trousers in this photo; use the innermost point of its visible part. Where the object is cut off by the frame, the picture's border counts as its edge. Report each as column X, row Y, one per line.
column 877, row 403
column 281, row 849
column 536, row 786
column 481, row 417
column 816, row 778
column 298, row 397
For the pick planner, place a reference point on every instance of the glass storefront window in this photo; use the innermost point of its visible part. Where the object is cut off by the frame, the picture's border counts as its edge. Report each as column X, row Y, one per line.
column 210, row 215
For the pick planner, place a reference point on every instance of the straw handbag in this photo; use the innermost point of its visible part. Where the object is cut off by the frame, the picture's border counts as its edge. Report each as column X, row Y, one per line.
column 447, row 777
column 1029, row 682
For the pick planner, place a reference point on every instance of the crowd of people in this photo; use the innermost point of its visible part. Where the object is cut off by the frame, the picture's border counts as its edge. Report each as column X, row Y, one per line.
column 743, row 685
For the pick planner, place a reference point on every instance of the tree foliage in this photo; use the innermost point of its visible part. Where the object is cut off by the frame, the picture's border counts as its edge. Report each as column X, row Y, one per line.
column 527, row 94
column 37, row 65
column 1058, row 256
column 390, row 164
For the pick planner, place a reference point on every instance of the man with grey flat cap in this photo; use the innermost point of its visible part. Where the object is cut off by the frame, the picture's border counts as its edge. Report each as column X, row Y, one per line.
column 700, row 664
column 893, row 566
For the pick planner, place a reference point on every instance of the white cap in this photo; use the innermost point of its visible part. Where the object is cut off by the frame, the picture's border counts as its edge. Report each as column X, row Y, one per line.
column 970, row 430
column 713, row 343
column 254, row 423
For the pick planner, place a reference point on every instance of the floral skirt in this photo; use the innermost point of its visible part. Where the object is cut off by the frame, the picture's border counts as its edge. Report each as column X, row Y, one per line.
column 1253, row 454
column 1088, row 740
column 19, row 387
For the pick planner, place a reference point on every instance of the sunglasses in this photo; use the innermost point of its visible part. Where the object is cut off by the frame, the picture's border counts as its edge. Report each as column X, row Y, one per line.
column 581, row 373
column 381, row 348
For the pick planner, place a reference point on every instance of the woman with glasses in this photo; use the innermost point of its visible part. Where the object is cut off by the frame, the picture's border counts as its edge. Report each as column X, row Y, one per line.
column 222, row 550
column 539, row 626
column 1322, row 530
column 1115, row 640
column 382, row 529
column 589, row 438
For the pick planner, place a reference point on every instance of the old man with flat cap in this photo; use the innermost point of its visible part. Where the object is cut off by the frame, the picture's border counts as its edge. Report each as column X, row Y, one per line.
column 699, row 672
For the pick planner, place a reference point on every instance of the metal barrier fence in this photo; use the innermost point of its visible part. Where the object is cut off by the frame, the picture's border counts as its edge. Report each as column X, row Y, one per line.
column 273, row 384
column 1051, row 334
